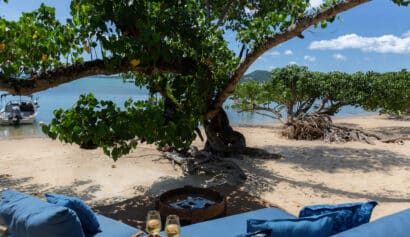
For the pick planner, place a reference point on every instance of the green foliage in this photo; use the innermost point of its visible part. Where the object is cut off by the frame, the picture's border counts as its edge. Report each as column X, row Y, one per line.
column 118, row 131
column 402, row 2
column 295, row 91
column 153, row 33
column 36, row 42
column 389, row 91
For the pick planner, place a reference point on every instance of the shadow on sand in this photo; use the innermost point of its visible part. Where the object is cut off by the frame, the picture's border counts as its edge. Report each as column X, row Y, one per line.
column 25, row 185
column 392, row 131
column 324, row 159
column 133, row 211
column 330, row 158
column 240, row 199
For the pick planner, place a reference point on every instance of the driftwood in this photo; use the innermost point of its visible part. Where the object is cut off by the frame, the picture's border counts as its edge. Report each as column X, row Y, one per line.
column 203, row 162
column 223, row 170
column 396, row 139
column 320, row 126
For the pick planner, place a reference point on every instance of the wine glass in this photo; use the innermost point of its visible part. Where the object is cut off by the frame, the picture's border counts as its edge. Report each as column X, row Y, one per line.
column 172, row 226
column 153, row 225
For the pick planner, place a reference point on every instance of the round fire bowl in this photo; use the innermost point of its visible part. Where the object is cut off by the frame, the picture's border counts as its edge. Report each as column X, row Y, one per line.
column 165, row 203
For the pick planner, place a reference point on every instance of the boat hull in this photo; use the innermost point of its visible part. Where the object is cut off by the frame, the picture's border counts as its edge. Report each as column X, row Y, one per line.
column 16, row 122
column 5, row 120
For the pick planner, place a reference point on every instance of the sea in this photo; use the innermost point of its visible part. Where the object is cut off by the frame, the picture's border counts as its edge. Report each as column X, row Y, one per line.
column 115, row 89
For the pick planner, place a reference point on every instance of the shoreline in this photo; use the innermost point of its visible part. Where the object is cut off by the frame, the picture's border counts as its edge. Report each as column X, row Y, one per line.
column 37, row 133
column 309, row 172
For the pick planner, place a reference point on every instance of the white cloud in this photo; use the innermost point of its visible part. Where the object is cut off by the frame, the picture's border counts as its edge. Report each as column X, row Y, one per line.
column 271, row 67
column 288, row 52
column 315, row 3
column 382, row 44
column 274, row 53
column 292, row 63
column 339, row 57
column 309, row 58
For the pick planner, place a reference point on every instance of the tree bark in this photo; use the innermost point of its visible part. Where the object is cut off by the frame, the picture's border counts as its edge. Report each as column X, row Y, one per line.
column 221, row 138
column 65, row 74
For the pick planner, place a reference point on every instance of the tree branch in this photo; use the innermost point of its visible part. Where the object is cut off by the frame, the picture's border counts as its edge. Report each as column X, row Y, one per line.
column 332, row 109
column 223, row 14
column 66, row 74
column 272, row 41
column 305, row 106
column 255, row 108
column 324, row 102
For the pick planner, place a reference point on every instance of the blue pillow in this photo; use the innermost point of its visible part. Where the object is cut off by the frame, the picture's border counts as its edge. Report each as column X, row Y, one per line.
column 314, row 226
column 347, row 215
column 87, row 217
column 27, row 216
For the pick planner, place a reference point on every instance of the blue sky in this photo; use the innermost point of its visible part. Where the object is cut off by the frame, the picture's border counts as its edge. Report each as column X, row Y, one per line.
column 374, row 36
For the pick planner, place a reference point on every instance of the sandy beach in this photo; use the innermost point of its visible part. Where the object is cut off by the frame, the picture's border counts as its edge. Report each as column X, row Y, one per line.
column 309, row 172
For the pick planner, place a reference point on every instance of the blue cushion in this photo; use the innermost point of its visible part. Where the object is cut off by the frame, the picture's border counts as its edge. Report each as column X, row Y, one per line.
column 396, row 225
column 87, row 217
column 27, row 216
column 347, row 215
column 231, row 226
column 314, row 226
column 113, row 228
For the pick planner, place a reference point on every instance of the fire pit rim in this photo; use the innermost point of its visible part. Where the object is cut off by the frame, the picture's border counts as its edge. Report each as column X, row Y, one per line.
column 216, row 196
column 193, row 215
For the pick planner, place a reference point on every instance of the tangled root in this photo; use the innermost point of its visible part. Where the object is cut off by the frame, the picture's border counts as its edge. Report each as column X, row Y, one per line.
column 308, row 127
column 321, row 127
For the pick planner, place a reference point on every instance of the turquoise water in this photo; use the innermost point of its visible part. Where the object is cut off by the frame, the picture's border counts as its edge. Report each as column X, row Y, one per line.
column 115, row 89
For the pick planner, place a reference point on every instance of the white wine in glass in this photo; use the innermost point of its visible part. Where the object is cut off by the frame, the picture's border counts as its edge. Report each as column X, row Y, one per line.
column 172, row 226
column 153, row 225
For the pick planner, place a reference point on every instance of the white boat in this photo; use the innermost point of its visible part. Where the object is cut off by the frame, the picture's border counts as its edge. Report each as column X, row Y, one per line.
column 130, row 80
column 19, row 111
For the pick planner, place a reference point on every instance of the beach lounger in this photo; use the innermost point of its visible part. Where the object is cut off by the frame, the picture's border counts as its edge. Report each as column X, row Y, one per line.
column 396, row 225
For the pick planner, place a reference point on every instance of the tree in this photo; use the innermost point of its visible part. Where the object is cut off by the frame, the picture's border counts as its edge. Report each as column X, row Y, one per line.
column 390, row 92
column 174, row 48
column 304, row 101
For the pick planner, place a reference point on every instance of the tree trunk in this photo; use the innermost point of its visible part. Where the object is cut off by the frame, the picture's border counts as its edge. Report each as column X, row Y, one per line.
column 221, row 138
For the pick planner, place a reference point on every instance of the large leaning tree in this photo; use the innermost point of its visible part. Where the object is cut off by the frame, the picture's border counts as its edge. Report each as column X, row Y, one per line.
column 175, row 49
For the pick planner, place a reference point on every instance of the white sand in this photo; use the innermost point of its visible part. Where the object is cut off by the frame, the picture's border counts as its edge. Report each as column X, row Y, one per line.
column 310, row 172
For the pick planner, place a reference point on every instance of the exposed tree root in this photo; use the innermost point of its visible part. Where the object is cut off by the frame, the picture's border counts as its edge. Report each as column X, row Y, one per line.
column 222, row 170
column 308, row 127
column 397, row 139
column 319, row 126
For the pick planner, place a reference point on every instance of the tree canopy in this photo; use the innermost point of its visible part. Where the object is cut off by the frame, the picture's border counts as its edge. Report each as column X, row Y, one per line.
column 294, row 91
column 174, row 48
column 304, row 101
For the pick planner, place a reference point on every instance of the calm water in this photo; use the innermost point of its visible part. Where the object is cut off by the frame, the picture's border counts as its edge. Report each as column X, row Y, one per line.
column 114, row 89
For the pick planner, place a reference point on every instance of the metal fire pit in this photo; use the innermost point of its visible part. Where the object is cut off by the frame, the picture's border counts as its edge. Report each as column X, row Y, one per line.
column 165, row 201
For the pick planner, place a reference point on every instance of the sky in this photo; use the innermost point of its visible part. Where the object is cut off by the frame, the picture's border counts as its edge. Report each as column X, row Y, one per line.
column 372, row 37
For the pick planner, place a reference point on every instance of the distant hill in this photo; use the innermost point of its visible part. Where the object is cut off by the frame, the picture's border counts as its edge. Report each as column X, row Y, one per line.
column 258, row 75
